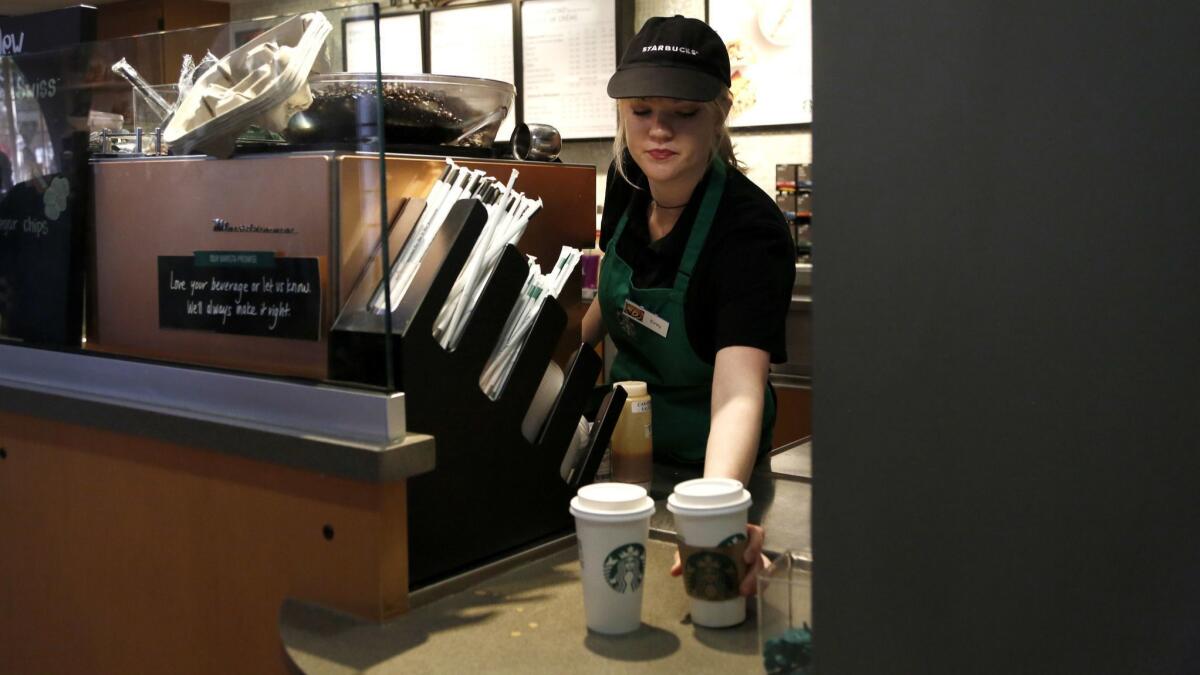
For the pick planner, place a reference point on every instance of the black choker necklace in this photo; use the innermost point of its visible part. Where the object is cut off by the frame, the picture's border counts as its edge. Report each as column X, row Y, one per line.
column 657, row 205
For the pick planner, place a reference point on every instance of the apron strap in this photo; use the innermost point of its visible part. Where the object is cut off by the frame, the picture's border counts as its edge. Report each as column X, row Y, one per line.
column 700, row 227
column 702, row 224
column 612, row 241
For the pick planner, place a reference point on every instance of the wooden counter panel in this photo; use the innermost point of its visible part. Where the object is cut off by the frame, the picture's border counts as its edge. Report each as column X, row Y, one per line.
column 127, row 555
column 793, row 417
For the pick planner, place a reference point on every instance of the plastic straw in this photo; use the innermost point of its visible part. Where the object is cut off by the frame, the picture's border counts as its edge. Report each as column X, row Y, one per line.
column 537, row 289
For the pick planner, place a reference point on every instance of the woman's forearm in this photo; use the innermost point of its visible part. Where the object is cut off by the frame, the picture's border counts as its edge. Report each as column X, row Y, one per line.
column 592, row 326
column 733, row 441
column 739, row 380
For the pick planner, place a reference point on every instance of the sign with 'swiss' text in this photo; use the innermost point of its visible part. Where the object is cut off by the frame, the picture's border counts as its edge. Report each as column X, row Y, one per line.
column 242, row 293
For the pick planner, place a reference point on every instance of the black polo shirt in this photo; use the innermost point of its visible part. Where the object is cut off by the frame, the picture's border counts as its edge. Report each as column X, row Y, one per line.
column 741, row 287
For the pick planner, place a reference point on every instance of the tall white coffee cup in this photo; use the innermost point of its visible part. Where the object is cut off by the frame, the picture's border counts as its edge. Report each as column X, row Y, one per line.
column 612, row 522
column 710, row 515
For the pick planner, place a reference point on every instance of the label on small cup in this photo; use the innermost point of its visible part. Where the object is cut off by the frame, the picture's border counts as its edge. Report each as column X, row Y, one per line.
column 714, row 573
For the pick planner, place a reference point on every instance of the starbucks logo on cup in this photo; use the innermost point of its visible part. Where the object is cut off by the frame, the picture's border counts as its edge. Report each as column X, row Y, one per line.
column 625, row 567
column 714, row 573
column 710, row 576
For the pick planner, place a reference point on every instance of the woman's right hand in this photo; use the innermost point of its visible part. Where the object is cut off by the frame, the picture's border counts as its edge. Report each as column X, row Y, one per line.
column 755, row 560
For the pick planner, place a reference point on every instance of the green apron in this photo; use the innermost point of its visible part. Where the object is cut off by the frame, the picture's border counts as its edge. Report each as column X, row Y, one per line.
column 680, row 382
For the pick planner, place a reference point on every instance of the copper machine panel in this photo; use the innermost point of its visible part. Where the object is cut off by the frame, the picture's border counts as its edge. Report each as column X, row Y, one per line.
column 151, row 207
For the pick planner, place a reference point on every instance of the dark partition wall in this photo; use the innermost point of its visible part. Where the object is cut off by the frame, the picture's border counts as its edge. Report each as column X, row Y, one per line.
column 1007, row 337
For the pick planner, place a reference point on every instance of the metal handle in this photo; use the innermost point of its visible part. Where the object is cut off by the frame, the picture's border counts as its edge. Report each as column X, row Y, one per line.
column 536, row 142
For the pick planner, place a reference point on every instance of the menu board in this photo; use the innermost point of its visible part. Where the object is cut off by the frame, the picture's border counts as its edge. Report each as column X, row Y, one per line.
column 569, row 50
column 770, row 53
column 475, row 41
column 399, row 44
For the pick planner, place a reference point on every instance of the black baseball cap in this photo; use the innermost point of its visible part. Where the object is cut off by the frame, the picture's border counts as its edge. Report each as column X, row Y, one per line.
column 673, row 57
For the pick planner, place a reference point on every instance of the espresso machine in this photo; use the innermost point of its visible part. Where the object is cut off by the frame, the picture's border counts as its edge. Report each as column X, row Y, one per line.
column 320, row 209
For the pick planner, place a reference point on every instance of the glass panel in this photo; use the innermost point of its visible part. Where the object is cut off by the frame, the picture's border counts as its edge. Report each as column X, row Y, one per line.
column 221, row 197
column 43, row 144
column 168, row 175
column 785, row 633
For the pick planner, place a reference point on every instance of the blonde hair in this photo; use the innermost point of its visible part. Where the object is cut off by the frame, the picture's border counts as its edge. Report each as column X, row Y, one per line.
column 722, row 142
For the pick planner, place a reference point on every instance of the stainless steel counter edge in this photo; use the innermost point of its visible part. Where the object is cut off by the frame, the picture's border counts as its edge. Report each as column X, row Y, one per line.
column 352, row 433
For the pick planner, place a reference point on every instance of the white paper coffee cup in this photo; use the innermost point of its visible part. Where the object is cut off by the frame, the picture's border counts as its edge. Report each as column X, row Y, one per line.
column 711, row 513
column 612, row 523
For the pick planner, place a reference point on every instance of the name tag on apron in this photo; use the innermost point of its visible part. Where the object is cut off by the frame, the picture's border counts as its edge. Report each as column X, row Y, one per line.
column 647, row 318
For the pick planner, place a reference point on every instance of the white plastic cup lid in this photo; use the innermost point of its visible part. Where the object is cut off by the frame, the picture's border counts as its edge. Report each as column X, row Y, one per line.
column 612, row 501
column 633, row 388
column 708, row 496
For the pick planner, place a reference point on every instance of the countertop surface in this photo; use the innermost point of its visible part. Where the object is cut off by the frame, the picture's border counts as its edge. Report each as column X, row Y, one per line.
column 527, row 616
column 527, row 620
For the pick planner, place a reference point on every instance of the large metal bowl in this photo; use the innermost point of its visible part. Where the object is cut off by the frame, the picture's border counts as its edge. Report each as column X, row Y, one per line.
column 418, row 110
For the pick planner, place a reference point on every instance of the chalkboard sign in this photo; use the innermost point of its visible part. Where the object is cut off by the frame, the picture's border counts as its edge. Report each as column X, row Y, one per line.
column 240, row 292
column 40, row 262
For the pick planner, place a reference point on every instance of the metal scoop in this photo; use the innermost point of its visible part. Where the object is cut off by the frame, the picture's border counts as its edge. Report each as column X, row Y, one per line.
column 494, row 117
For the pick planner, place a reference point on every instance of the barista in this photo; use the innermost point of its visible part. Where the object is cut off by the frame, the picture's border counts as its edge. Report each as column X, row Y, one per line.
column 698, row 263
